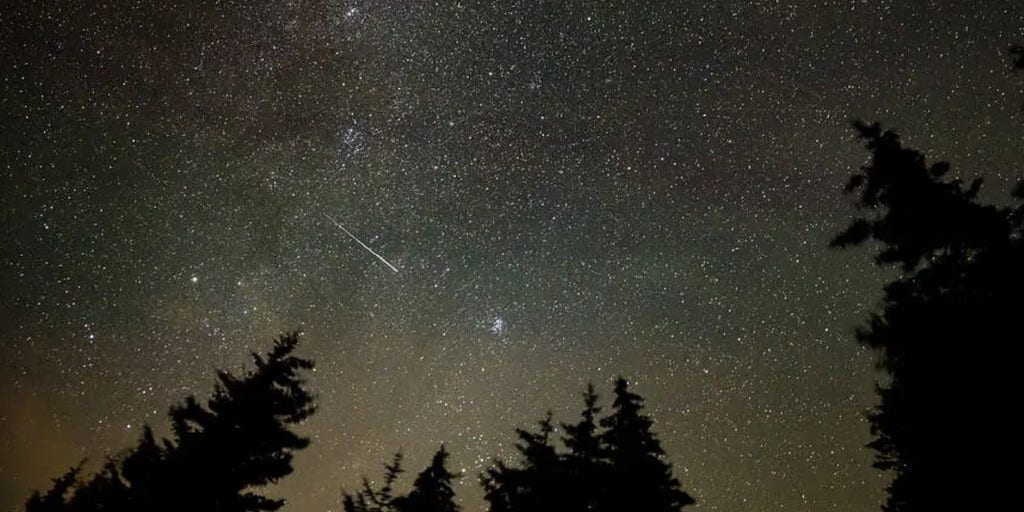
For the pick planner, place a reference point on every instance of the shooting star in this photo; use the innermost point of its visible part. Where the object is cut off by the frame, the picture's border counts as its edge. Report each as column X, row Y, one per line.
column 360, row 242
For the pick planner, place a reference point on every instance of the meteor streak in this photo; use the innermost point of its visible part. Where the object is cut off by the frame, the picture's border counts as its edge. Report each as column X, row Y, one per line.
column 360, row 242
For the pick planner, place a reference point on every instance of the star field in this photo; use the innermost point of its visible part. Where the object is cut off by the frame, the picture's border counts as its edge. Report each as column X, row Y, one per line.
column 570, row 191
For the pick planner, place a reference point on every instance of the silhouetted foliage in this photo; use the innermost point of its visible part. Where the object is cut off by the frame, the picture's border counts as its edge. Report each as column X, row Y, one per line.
column 105, row 491
column 946, row 332
column 219, row 453
column 639, row 477
column 431, row 492
column 612, row 464
column 54, row 500
column 368, row 499
column 537, row 484
column 585, row 470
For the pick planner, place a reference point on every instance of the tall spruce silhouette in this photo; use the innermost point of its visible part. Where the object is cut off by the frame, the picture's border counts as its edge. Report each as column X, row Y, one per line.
column 432, row 490
column 585, row 469
column 947, row 331
column 219, row 454
column 609, row 464
column 639, row 477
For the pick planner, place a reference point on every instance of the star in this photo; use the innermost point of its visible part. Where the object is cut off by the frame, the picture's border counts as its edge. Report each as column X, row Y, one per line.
column 575, row 171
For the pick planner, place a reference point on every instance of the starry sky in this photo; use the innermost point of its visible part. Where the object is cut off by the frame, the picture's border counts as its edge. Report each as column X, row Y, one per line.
column 569, row 191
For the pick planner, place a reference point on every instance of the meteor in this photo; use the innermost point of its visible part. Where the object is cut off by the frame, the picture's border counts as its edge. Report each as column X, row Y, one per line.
column 360, row 242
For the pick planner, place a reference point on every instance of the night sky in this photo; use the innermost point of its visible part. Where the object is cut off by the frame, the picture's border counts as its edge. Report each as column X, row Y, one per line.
column 569, row 191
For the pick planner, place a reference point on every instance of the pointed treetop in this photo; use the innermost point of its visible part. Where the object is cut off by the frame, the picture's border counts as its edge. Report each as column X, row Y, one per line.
column 432, row 491
column 581, row 439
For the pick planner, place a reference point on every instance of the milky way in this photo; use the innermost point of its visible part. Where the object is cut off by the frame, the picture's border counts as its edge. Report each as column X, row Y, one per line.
column 572, row 190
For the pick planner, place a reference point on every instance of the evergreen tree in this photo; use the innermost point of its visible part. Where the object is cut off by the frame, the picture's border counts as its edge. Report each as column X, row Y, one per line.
column 536, row 484
column 585, row 467
column 368, row 499
column 242, row 439
column 219, row 455
column 55, row 499
column 639, row 477
column 106, row 492
column 432, row 490
column 946, row 333
column 582, row 439
column 610, row 465
column 145, row 472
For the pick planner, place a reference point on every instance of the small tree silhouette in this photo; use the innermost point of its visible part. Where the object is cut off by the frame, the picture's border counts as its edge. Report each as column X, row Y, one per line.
column 368, row 499
column 55, row 499
column 537, row 483
column 432, row 490
column 585, row 467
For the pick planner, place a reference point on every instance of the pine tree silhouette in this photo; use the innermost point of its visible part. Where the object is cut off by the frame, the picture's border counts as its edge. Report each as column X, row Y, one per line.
column 242, row 438
column 946, row 333
column 586, row 470
column 219, row 455
column 368, row 499
column 432, row 490
column 581, row 439
column 55, row 499
column 105, row 491
column 536, row 483
column 640, row 478
column 144, row 470
column 610, row 465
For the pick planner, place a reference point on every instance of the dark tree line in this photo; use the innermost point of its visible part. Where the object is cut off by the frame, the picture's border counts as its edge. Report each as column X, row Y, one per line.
column 609, row 464
column 947, row 332
column 218, row 455
column 222, row 452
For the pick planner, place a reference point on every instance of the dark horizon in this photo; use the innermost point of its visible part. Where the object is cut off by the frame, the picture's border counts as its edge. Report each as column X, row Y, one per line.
column 531, row 196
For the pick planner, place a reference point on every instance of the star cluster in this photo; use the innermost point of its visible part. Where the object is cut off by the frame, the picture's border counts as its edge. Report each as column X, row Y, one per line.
column 570, row 191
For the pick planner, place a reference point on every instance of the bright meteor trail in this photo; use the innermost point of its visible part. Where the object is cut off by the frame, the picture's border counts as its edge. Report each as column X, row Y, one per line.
column 360, row 242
